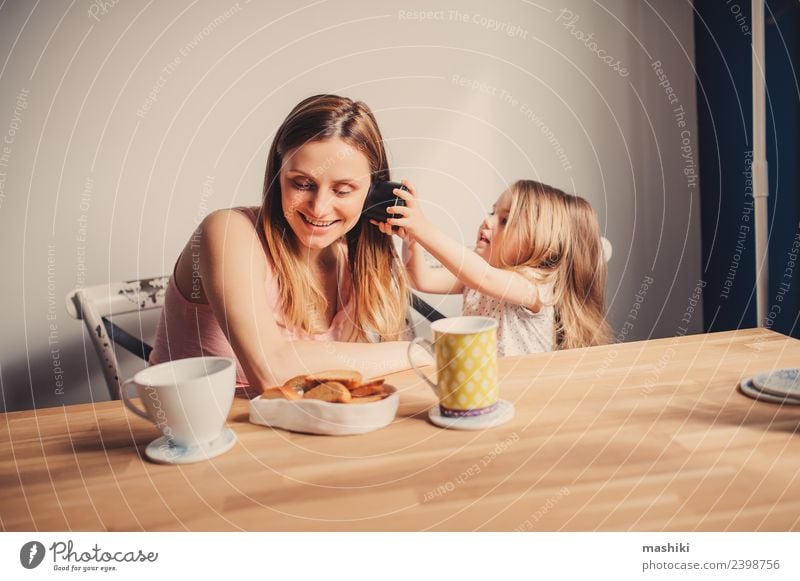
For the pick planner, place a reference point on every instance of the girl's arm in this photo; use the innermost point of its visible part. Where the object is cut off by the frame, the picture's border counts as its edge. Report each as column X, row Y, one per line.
column 469, row 268
column 232, row 270
column 425, row 278
column 421, row 275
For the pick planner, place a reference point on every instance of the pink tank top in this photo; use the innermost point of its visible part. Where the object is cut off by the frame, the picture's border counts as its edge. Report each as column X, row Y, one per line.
column 188, row 329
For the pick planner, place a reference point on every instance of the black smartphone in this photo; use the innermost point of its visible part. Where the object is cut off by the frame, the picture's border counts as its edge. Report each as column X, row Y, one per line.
column 380, row 197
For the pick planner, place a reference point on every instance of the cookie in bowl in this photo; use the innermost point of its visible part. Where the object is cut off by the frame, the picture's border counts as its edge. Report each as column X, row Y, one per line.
column 335, row 403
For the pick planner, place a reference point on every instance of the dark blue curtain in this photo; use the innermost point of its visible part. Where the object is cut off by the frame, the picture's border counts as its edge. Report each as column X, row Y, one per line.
column 723, row 59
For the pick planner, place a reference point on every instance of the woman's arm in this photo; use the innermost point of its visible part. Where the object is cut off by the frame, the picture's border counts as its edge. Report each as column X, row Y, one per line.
column 469, row 268
column 232, row 268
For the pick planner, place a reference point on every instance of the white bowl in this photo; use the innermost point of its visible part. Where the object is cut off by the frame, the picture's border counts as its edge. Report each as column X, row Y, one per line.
column 313, row 416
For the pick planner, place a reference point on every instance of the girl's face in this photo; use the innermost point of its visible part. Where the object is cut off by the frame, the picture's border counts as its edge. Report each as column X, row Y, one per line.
column 323, row 188
column 492, row 244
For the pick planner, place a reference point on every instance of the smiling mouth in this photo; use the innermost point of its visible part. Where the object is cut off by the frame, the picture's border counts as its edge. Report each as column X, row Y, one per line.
column 483, row 238
column 317, row 223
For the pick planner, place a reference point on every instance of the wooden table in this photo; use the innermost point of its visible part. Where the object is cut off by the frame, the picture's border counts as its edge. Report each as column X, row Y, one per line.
column 641, row 436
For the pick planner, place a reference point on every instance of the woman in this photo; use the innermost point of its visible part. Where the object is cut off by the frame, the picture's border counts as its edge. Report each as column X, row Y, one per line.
column 301, row 284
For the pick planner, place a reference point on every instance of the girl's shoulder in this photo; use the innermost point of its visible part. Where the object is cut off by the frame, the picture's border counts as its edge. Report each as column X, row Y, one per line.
column 544, row 281
column 536, row 275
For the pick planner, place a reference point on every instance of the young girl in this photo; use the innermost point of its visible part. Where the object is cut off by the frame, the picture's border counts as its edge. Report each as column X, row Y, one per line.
column 538, row 267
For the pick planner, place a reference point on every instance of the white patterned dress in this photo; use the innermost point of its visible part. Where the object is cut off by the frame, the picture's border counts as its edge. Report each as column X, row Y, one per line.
column 519, row 331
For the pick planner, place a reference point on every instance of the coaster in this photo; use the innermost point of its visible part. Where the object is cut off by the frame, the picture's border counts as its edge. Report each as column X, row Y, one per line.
column 779, row 382
column 163, row 451
column 750, row 390
column 503, row 413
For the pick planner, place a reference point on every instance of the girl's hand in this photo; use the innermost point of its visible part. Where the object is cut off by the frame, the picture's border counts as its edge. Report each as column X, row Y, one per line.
column 392, row 226
column 388, row 230
column 408, row 218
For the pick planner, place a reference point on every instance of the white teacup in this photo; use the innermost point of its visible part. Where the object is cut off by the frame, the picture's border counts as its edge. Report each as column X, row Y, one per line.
column 187, row 399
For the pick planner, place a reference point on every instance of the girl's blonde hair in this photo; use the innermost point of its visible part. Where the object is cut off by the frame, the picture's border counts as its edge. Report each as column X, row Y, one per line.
column 380, row 292
column 559, row 237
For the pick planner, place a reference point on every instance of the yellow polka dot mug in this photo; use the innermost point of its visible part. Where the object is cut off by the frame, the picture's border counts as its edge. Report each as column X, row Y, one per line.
column 465, row 349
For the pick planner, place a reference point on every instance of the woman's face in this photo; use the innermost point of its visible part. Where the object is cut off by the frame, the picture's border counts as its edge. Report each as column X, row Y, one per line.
column 323, row 188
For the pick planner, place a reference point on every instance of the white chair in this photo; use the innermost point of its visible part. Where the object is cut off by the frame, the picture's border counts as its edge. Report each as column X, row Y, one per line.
column 97, row 306
column 607, row 248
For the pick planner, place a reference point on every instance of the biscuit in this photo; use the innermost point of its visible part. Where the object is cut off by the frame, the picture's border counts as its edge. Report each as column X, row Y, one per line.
column 282, row 392
column 347, row 377
column 300, row 383
column 331, row 391
column 374, row 387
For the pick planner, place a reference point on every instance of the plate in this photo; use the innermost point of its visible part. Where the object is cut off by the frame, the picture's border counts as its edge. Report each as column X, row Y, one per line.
column 779, row 382
column 503, row 413
column 312, row 416
column 163, row 451
column 750, row 390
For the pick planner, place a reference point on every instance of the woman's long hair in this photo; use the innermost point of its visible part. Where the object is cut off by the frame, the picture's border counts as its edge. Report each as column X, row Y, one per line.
column 380, row 292
column 559, row 238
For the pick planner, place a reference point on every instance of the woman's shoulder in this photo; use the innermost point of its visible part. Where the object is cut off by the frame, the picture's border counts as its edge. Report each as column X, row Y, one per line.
column 249, row 211
column 232, row 228
column 237, row 220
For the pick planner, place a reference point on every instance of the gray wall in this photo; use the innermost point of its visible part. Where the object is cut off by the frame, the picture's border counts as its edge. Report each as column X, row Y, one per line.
column 124, row 124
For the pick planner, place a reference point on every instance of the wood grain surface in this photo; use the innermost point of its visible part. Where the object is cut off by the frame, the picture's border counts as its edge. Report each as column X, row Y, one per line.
column 650, row 436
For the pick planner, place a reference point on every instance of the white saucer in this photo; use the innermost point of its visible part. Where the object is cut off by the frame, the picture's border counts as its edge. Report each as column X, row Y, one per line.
column 163, row 451
column 779, row 382
column 749, row 389
column 503, row 413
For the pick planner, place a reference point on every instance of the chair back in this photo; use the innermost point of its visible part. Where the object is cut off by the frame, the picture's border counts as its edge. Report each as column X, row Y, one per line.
column 97, row 306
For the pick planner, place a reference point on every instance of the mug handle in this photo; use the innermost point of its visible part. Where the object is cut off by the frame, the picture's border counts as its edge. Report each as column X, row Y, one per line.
column 425, row 344
column 123, row 392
